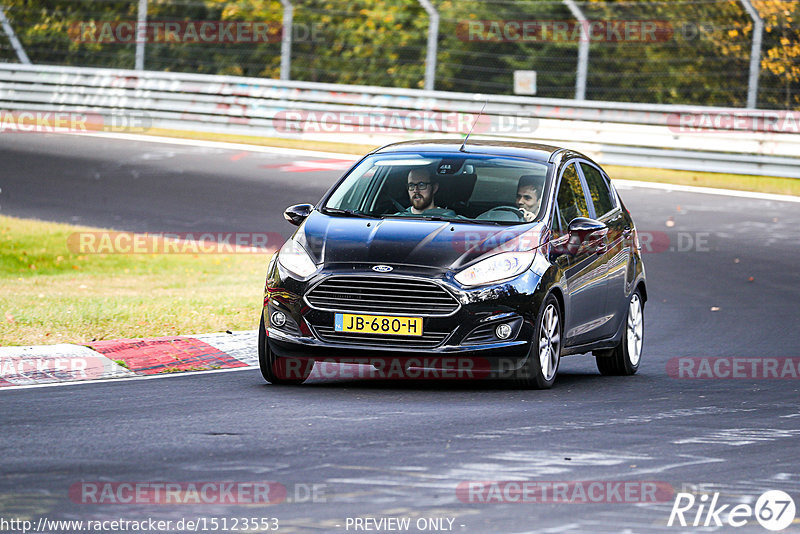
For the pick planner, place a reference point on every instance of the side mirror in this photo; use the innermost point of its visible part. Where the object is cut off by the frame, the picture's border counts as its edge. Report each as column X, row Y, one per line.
column 584, row 224
column 590, row 234
column 297, row 214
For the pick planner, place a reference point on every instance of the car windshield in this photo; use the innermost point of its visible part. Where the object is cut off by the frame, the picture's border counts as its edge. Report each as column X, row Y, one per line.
column 446, row 186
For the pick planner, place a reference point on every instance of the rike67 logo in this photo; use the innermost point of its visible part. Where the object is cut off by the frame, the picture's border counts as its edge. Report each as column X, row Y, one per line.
column 774, row 510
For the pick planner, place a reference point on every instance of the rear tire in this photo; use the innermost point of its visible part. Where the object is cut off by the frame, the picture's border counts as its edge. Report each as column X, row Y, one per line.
column 624, row 359
column 541, row 365
column 277, row 370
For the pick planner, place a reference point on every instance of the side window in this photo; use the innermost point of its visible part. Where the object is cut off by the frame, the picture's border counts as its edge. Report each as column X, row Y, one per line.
column 614, row 196
column 598, row 189
column 555, row 223
column 571, row 201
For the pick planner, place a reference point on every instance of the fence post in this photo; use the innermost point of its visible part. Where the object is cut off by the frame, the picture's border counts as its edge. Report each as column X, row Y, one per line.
column 583, row 50
column 12, row 37
column 433, row 44
column 141, row 34
column 755, row 54
column 286, row 39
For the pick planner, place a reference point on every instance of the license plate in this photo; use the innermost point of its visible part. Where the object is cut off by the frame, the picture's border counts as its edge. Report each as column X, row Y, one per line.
column 378, row 324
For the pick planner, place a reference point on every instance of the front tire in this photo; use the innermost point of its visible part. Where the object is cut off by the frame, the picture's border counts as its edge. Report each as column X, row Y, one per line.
column 541, row 365
column 277, row 370
column 624, row 359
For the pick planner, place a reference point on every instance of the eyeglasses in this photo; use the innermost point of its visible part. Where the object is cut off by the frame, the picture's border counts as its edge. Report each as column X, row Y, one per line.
column 422, row 186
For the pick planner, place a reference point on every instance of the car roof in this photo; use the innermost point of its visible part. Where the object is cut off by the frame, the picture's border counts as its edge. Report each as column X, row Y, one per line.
column 534, row 151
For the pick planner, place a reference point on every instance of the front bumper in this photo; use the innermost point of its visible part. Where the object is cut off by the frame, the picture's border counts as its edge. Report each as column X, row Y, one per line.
column 466, row 334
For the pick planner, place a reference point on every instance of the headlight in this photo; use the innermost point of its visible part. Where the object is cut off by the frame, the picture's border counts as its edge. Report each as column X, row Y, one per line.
column 499, row 267
column 294, row 258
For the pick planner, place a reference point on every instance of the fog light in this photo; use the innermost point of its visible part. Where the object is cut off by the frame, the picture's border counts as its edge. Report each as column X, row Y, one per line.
column 278, row 318
column 503, row 331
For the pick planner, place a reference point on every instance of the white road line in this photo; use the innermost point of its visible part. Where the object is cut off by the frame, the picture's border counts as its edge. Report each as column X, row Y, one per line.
column 222, row 145
column 706, row 190
column 42, row 364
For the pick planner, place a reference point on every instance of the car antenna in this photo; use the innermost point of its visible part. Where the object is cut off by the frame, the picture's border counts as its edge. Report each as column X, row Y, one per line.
column 464, row 144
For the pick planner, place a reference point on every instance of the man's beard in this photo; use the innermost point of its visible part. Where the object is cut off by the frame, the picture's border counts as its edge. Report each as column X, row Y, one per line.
column 421, row 203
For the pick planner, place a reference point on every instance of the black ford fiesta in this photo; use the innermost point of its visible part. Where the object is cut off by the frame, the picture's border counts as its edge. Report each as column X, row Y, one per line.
column 493, row 259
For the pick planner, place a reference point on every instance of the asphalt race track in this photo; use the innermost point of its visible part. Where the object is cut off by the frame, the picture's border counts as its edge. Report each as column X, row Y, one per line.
column 402, row 449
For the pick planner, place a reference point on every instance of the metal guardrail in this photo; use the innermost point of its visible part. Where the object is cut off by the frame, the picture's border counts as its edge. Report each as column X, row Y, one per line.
column 644, row 135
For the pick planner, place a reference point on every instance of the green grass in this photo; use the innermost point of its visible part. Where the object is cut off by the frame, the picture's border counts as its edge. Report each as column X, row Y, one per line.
column 50, row 294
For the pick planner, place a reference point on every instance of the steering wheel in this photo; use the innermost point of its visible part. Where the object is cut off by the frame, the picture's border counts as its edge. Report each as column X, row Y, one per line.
column 502, row 209
column 397, row 205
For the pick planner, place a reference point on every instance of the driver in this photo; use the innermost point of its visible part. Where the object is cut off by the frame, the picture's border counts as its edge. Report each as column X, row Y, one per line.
column 421, row 191
column 528, row 196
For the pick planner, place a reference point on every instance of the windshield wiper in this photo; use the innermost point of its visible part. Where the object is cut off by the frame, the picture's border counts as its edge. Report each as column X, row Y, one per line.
column 349, row 213
column 458, row 221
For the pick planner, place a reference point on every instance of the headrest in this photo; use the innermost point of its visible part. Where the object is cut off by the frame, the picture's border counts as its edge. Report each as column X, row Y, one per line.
column 531, row 180
column 455, row 189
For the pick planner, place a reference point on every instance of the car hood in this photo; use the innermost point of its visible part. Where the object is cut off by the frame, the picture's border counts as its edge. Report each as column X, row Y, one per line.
column 399, row 241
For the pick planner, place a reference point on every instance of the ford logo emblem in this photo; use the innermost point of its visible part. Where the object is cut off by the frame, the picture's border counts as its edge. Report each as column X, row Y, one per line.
column 382, row 268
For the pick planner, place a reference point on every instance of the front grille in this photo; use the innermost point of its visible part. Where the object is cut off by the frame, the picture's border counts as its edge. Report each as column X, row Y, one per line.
column 290, row 328
column 485, row 333
column 383, row 295
column 482, row 334
column 428, row 340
